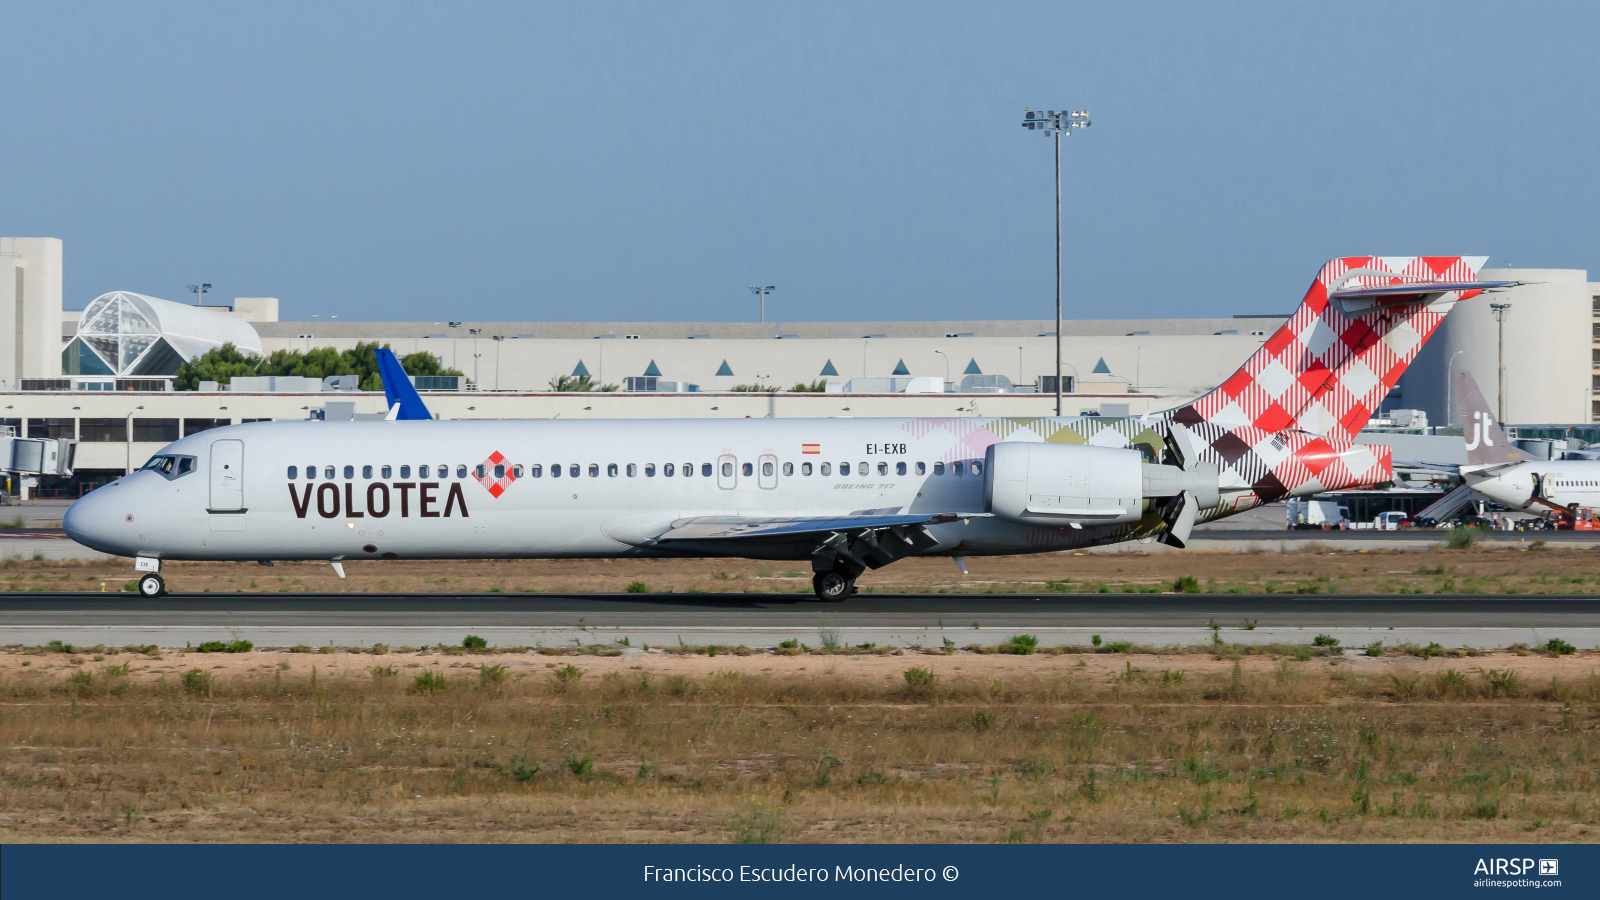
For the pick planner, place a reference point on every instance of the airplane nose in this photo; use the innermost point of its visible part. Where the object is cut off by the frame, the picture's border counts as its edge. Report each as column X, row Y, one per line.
column 89, row 522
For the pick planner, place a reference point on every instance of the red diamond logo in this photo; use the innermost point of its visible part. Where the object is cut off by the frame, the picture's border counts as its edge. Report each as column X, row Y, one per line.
column 494, row 474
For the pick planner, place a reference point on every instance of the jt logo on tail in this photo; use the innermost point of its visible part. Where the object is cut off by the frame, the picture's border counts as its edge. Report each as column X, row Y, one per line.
column 1486, row 443
column 1482, row 424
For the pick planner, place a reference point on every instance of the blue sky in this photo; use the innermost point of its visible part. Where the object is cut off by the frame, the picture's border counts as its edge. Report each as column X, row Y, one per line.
column 608, row 161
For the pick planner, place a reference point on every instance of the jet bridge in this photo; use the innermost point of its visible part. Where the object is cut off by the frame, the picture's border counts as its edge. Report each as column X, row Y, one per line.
column 24, row 460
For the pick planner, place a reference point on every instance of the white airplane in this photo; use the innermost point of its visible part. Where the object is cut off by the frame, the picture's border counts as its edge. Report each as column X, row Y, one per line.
column 1504, row 473
column 846, row 494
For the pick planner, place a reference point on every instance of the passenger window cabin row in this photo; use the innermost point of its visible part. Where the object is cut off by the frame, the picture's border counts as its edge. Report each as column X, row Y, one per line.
column 331, row 472
column 668, row 470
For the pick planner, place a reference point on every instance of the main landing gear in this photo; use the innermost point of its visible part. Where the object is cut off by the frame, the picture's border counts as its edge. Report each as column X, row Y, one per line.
column 152, row 585
column 833, row 586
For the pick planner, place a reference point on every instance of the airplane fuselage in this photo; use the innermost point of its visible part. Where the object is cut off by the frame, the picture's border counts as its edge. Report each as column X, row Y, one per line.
column 545, row 489
column 1561, row 482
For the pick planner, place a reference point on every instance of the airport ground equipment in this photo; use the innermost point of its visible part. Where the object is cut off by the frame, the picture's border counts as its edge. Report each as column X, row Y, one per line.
column 23, row 461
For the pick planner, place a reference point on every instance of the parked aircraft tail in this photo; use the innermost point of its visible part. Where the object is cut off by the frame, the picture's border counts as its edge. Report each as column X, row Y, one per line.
column 1486, row 443
column 1285, row 423
column 398, row 393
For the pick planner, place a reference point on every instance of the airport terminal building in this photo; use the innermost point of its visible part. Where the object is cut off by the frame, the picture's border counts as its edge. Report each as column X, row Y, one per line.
column 103, row 373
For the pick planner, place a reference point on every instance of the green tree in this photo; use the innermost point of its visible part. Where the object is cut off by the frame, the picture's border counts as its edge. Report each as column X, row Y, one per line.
column 219, row 365
column 579, row 384
column 226, row 362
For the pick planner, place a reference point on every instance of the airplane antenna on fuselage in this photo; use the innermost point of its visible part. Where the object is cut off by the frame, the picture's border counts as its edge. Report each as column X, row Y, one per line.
column 398, row 390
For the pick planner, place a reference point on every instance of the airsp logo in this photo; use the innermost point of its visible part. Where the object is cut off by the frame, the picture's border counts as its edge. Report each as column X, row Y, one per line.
column 1515, row 867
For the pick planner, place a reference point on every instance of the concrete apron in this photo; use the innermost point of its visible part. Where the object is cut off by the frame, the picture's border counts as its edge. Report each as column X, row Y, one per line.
column 116, row 635
column 1293, row 545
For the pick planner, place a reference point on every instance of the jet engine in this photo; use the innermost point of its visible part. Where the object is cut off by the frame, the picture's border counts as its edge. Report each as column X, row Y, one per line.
column 1077, row 485
column 1061, row 484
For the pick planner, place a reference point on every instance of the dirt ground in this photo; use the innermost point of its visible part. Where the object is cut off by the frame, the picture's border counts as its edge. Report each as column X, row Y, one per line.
column 883, row 668
column 430, row 745
column 1486, row 568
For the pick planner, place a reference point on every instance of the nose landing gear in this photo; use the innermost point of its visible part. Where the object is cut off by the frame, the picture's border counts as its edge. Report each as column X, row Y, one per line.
column 152, row 585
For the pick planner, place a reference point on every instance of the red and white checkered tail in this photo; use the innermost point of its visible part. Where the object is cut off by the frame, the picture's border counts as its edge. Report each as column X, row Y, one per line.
column 1361, row 323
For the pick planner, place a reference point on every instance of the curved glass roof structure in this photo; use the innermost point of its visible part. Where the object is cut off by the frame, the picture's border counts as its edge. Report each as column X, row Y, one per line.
column 128, row 334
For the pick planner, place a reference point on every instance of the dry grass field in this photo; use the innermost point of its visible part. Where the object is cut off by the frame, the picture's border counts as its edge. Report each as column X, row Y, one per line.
column 904, row 747
column 1532, row 568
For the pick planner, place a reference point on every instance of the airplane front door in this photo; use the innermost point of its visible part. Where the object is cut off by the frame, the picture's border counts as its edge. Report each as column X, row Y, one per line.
column 227, row 475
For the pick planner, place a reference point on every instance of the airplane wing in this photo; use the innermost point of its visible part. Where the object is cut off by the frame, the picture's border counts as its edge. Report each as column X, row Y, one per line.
column 708, row 528
column 1458, row 469
column 858, row 542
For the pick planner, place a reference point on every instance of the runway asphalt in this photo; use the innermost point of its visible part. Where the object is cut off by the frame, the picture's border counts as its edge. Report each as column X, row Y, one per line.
column 762, row 608
column 1476, row 620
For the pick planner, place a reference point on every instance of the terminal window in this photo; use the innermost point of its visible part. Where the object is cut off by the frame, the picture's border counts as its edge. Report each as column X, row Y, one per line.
column 155, row 431
column 103, row 430
column 195, row 426
column 52, row 428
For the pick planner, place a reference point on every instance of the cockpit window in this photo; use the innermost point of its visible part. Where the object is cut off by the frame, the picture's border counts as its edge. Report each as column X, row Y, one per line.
column 163, row 464
column 171, row 466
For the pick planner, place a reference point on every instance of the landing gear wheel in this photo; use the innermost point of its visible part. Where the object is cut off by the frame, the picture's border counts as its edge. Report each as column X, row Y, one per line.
column 152, row 586
column 832, row 587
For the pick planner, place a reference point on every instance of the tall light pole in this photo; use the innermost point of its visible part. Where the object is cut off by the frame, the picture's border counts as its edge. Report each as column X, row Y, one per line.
column 475, row 354
column 1500, row 310
column 1056, row 123
column 497, row 339
column 198, row 290
column 453, row 327
column 763, row 291
column 946, row 365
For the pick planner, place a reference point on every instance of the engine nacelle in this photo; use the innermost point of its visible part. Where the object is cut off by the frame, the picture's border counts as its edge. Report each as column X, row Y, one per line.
column 1064, row 484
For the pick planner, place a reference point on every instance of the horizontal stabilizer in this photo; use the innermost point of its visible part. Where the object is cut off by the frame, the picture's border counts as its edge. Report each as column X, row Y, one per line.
column 1418, row 288
column 1408, row 466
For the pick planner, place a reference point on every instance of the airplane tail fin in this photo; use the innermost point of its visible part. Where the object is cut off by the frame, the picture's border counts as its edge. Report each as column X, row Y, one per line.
column 1486, row 443
column 1360, row 325
column 1286, row 421
column 401, row 398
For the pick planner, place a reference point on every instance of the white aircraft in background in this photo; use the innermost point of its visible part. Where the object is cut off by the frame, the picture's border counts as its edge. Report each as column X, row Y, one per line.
column 1504, row 473
column 847, row 494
